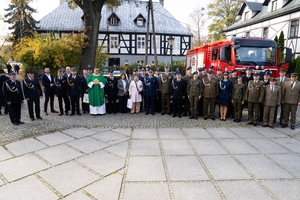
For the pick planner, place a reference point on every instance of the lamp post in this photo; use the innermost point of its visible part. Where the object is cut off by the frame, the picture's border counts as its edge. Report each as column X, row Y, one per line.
column 171, row 43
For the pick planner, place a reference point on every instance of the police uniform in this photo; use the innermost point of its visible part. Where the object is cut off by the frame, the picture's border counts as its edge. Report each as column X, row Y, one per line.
column 254, row 96
column 178, row 94
column 158, row 94
column 238, row 93
column 32, row 92
column 74, row 92
column 111, row 91
column 165, row 84
column 61, row 85
column 194, row 94
column 13, row 95
column 150, row 87
column 209, row 94
column 187, row 79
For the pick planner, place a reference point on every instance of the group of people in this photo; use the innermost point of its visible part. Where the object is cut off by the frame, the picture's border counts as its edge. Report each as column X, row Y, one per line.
column 191, row 95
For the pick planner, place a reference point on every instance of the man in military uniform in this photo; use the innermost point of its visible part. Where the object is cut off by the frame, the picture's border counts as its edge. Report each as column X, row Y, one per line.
column 33, row 93
column 13, row 96
column 150, row 87
column 61, row 85
column 3, row 78
column 219, row 75
column 237, row 99
column 291, row 100
column 272, row 100
column 266, row 82
column 209, row 94
column 248, row 76
column 178, row 93
column 233, row 79
column 201, row 74
column 165, row 84
column 111, row 91
column 48, row 83
column 194, row 94
column 254, row 96
column 74, row 91
column 187, row 79
column 84, row 90
column 281, row 80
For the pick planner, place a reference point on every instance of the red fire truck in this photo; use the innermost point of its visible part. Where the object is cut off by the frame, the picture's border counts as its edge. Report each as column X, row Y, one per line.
column 238, row 53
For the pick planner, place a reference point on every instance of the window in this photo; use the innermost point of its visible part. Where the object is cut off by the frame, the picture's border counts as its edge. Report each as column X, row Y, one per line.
column 248, row 34
column 113, row 21
column 140, row 22
column 247, row 15
column 274, row 5
column 294, row 28
column 176, row 45
column 215, row 54
column 114, row 42
column 141, row 42
column 266, row 32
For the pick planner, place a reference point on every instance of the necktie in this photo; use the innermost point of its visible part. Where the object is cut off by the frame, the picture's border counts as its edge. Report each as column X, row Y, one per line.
column 292, row 85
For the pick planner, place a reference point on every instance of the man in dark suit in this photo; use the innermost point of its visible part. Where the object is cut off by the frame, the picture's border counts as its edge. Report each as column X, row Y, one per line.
column 48, row 83
column 178, row 93
column 61, row 84
column 291, row 100
column 84, row 90
column 13, row 95
column 74, row 91
column 151, row 89
column 3, row 78
column 111, row 91
column 33, row 93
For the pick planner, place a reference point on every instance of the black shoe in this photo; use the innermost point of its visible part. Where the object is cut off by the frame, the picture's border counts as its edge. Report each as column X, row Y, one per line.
column 72, row 114
column 283, row 125
column 254, row 124
column 238, row 120
column 54, row 111
column 179, row 116
column 15, row 123
column 60, row 114
column 235, row 119
column 20, row 122
column 192, row 117
column 265, row 125
column 146, row 113
column 271, row 126
column 196, row 117
column 39, row 118
column 173, row 115
column 32, row 119
column 212, row 118
column 293, row 127
column 205, row 118
column 249, row 123
column 46, row 113
column 79, row 114
column 169, row 113
column 152, row 113
column 84, row 112
column 162, row 113
column 184, row 114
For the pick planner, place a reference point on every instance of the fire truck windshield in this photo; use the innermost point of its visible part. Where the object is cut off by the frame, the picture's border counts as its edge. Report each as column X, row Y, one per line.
column 255, row 55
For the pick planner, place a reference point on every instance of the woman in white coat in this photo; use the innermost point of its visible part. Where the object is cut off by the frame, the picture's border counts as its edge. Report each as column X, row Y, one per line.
column 135, row 90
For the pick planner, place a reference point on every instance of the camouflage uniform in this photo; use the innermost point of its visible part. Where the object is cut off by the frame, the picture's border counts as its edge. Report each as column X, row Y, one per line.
column 194, row 92
column 238, row 94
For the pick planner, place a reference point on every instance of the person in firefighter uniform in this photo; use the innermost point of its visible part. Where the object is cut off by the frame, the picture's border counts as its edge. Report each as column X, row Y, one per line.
column 178, row 93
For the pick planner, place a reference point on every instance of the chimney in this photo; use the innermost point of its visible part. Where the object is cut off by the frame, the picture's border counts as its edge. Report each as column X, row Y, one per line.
column 161, row 2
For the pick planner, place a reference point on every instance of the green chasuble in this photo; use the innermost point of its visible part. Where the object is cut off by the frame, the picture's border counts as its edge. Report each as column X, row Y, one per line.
column 96, row 93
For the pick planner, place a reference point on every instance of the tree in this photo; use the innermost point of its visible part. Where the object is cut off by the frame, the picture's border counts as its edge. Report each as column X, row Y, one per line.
column 19, row 16
column 92, row 17
column 223, row 14
column 196, row 27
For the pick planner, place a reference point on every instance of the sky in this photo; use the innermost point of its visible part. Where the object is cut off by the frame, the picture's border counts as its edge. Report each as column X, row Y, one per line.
column 180, row 9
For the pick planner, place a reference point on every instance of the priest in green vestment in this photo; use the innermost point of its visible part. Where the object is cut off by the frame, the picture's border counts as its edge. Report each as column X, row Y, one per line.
column 96, row 83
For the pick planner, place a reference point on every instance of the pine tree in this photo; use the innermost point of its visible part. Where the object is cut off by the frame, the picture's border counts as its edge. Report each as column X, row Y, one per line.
column 20, row 17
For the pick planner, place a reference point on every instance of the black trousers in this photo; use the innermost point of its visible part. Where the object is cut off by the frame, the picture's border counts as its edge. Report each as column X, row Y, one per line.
column 47, row 97
column 37, row 109
column 112, row 105
column 3, row 103
column 85, row 106
column 177, row 106
column 158, row 102
column 75, row 104
column 123, row 104
column 60, row 103
column 14, row 110
column 150, row 103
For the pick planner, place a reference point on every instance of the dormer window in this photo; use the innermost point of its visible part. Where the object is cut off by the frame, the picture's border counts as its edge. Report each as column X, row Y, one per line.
column 274, row 5
column 140, row 20
column 113, row 20
column 247, row 14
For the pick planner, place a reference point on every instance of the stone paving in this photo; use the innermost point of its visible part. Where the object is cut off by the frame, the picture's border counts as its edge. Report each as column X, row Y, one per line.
column 153, row 163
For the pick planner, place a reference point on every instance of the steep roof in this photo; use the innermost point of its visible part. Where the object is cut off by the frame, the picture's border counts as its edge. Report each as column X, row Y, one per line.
column 292, row 7
column 253, row 6
column 65, row 19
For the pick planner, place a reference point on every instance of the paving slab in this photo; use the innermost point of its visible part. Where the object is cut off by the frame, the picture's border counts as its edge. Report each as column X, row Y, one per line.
column 79, row 132
column 243, row 190
column 146, row 191
column 246, row 132
column 68, row 177
column 25, row 146
column 207, row 146
column 99, row 130
column 102, row 162
column 291, row 162
column 107, row 136
column 149, row 133
column 22, row 166
column 224, row 167
column 87, row 145
column 4, row 154
column 196, row 133
column 80, row 195
column 55, row 138
column 222, row 133
column 59, row 154
column 289, row 143
column 289, row 131
column 265, row 145
column 107, row 188
column 145, row 169
column 183, row 168
column 284, row 189
column 193, row 190
column 171, row 133
column 270, row 133
column 119, row 149
column 1, row 182
column 260, row 166
column 176, row 147
column 29, row 188
column 123, row 131
column 238, row 146
column 145, row 147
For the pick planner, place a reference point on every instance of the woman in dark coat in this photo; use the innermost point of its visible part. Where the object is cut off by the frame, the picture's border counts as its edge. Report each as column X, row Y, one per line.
column 123, row 86
column 225, row 90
